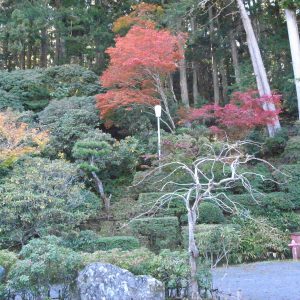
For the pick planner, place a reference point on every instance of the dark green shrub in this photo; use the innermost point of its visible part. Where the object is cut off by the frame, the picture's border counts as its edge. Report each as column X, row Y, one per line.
column 136, row 261
column 216, row 243
column 44, row 262
column 42, row 197
column 275, row 145
column 70, row 80
column 7, row 259
column 260, row 241
column 68, row 120
column 290, row 178
column 158, row 233
column 28, row 86
column 9, row 100
column 174, row 207
column 291, row 154
column 210, row 213
column 89, row 241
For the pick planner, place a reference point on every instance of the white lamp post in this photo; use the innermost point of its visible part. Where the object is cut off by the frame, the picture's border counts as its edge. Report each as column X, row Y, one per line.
column 157, row 109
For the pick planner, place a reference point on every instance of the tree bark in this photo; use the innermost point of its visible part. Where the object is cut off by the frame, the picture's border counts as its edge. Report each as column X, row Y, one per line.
column 224, row 81
column 235, row 59
column 292, row 26
column 100, row 188
column 183, row 83
column 258, row 66
column 213, row 58
column 196, row 94
column 44, row 48
column 193, row 255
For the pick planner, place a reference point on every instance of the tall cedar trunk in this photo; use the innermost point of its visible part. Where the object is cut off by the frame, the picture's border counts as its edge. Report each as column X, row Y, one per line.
column 44, row 48
column 292, row 26
column 194, row 69
column 100, row 188
column 235, row 59
column 213, row 58
column 23, row 58
column 193, row 256
column 224, row 80
column 59, row 41
column 196, row 94
column 258, row 66
column 29, row 55
column 183, row 83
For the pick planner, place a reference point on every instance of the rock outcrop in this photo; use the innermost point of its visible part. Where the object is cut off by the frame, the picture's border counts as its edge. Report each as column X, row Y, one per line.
column 99, row 281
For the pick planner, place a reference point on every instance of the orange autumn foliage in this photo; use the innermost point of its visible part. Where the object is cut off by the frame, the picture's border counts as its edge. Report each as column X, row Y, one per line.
column 143, row 15
column 136, row 61
column 17, row 139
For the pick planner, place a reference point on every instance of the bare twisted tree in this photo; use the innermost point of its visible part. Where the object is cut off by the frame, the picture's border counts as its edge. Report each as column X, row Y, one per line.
column 205, row 185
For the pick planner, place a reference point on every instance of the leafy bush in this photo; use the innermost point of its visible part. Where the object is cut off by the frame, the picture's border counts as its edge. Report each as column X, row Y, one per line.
column 159, row 232
column 216, row 243
column 136, row 260
column 260, row 241
column 28, row 86
column 68, row 120
column 70, row 80
column 89, row 241
column 7, row 259
column 275, row 145
column 290, row 178
column 9, row 100
column 42, row 197
column 44, row 263
column 210, row 213
column 174, row 207
column 291, row 154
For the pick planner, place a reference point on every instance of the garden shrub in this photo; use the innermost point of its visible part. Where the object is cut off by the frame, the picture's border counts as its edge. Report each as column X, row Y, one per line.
column 174, row 207
column 89, row 241
column 28, row 86
column 136, row 260
column 7, row 259
column 42, row 197
column 210, row 213
column 68, row 120
column 159, row 233
column 290, row 178
column 216, row 243
column 291, row 154
column 276, row 145
column 44, row 263
column 260, row 241
column 9, row 100
column 70, row 80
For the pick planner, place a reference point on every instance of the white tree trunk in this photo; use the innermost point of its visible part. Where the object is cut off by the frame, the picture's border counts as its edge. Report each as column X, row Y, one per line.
column 235, row 59
column 196, row 94
column 292, row 26
column 258, row 66
column 193, row 255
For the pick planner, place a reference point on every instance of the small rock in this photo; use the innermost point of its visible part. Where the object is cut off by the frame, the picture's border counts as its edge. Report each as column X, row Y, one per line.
column 100, row 281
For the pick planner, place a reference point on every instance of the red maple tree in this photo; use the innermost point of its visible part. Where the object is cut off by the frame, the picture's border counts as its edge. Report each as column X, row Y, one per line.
column 244, row 111
column 139, row 64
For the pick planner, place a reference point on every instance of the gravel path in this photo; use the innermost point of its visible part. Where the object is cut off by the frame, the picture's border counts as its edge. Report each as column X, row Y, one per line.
column 260, row 281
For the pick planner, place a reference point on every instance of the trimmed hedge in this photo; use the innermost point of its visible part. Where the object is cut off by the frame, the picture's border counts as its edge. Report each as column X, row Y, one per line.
column 89, row 241
column 210, row 213
column 157, row 233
